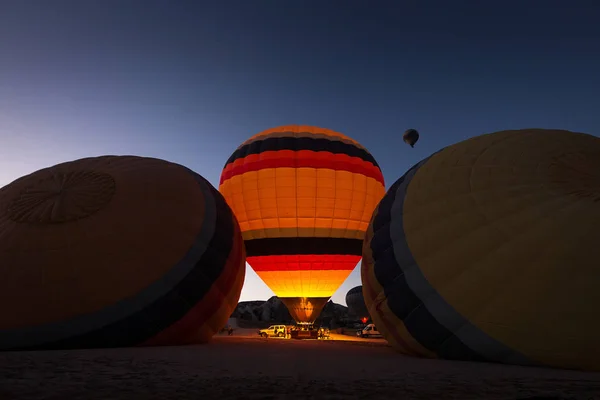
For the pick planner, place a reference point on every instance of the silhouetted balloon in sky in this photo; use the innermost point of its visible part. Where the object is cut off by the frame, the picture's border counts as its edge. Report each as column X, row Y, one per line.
column 303, row 196
column 410, row 137
column 116, row 251
column 488, row 250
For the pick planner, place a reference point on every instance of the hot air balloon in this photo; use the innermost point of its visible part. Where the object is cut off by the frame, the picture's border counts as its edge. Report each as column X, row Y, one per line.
column 116, row 251
column 410, row 137
column 356, row 303
column 488, row 251
column 303, row 196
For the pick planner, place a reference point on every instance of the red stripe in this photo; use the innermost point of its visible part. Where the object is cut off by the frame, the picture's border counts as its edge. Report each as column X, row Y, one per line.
column 304, row 262
column 337, row 162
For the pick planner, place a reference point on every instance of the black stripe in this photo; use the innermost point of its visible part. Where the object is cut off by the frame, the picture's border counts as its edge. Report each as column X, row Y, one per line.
column 403, row 302
column 301, row 143
column 164, row 312
column 302, row 245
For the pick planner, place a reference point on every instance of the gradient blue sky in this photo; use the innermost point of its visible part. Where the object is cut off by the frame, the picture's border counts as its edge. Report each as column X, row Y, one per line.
column 188, row 81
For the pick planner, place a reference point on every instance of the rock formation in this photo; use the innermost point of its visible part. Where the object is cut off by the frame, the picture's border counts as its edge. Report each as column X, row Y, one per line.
column 273, row 310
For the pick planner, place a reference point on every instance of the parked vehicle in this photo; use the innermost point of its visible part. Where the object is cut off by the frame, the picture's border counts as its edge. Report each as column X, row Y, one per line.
column 368, row 331
column 273, row 330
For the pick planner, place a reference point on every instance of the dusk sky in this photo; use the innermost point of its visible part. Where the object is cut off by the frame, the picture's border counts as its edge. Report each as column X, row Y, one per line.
column 188, row 81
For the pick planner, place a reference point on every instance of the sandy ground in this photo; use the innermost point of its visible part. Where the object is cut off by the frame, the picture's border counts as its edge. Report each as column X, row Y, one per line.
column 246, row 367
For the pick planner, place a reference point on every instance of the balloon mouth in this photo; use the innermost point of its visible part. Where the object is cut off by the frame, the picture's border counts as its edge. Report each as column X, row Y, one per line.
column 305, row 309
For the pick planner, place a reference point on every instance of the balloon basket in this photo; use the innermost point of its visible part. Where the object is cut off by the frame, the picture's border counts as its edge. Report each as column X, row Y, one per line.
column 304, row 334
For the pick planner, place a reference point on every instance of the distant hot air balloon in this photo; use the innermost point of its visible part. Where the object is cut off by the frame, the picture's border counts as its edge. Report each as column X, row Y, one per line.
column 356, row 302
column 410, row 137
column 303, row 196
column 116, row 251
column 488, row 251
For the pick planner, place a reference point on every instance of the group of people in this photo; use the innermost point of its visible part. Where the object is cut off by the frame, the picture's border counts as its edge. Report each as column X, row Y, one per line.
column 227, row 329
column 322, row 333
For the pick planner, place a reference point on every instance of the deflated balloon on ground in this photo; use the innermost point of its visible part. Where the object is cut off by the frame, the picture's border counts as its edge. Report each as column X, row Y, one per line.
column 116, row 251
column 488, row 251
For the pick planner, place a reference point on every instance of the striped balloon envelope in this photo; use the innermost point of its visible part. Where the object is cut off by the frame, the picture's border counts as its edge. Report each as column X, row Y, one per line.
column 356, row 303
column 488, row 251
column 116, row 251
column 303, row 197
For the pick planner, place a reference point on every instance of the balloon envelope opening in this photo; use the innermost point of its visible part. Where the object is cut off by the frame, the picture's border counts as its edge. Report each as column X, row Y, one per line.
column 304, row 309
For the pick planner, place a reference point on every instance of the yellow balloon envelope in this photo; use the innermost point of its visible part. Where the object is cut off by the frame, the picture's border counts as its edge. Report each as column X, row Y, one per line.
column 489, row 250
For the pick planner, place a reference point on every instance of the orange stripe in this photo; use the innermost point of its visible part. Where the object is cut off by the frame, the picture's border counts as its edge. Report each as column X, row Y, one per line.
column 301, row 159
column 304, row 283
column 329, row 199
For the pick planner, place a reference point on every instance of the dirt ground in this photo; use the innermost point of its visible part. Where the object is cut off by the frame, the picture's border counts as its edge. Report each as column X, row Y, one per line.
column 245, row 367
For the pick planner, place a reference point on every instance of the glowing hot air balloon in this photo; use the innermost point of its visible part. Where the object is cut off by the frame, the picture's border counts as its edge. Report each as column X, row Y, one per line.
column 303, row 197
